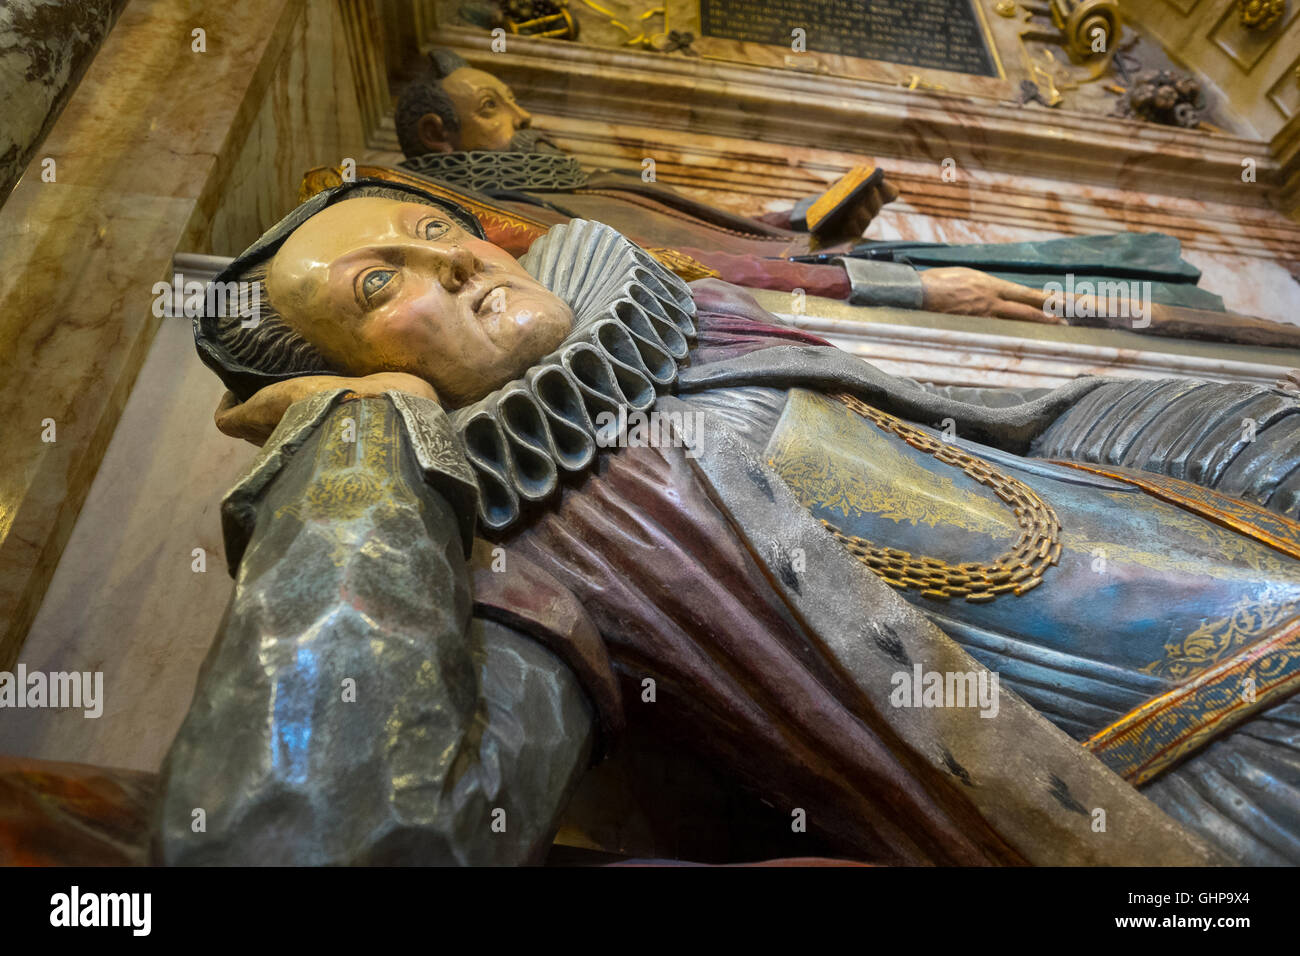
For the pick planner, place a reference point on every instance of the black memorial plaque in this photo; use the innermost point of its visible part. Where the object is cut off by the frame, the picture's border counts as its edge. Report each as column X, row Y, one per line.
column 939, row 34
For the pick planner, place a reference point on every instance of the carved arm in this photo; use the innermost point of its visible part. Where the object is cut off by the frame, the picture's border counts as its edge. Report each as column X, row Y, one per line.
column 352, row 710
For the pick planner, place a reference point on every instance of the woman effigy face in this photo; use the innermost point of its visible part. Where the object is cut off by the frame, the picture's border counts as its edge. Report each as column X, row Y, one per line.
column 379, row 285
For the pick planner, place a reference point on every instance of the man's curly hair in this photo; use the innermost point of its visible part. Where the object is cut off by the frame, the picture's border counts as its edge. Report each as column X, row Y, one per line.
column 425, row 95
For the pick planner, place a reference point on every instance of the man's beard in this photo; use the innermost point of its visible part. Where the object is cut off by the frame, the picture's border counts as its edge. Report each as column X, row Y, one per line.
column 532, row 141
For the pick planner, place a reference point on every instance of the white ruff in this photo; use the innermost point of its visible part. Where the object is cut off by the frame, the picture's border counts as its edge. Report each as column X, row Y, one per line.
column 632, row 320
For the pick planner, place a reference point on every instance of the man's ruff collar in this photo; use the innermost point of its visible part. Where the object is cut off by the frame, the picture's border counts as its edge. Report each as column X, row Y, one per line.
column 489, row 170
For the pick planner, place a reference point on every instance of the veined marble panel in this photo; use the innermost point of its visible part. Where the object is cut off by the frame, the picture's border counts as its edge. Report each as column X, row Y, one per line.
column 945, row 357
column 125, row 599
column 158, row 138
column 1229, row 218
column 972, row 350
column 44, row 50
column 308, row 116
column 75, row 321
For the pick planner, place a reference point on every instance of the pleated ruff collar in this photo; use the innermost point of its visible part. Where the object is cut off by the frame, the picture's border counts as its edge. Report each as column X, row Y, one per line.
column 633, row 323
column 490, row 170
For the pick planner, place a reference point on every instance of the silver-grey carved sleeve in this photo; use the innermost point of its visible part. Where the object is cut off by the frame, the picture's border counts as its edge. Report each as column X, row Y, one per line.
column 351, row 711
column 877, row 283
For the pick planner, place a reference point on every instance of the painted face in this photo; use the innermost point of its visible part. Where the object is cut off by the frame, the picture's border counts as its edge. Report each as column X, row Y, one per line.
column 489, row 116
column 379, row 285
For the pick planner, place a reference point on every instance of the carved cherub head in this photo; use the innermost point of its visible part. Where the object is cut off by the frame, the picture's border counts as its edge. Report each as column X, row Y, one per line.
column 456, row 107
column 369, row 278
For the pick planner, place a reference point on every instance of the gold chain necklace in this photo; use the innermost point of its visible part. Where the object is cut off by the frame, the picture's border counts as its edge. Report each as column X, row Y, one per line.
column 1017, row 571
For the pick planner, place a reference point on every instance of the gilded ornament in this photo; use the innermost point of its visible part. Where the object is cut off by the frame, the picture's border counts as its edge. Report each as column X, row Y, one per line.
column 1260, row 14
column 685, row 267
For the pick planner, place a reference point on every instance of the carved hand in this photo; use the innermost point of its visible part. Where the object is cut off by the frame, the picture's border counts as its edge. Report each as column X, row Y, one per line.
column 255, row 419
column 962, row 291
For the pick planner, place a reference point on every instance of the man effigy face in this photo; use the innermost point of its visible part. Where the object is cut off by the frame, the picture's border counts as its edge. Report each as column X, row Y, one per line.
column 486, row 108
column 379, row 285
